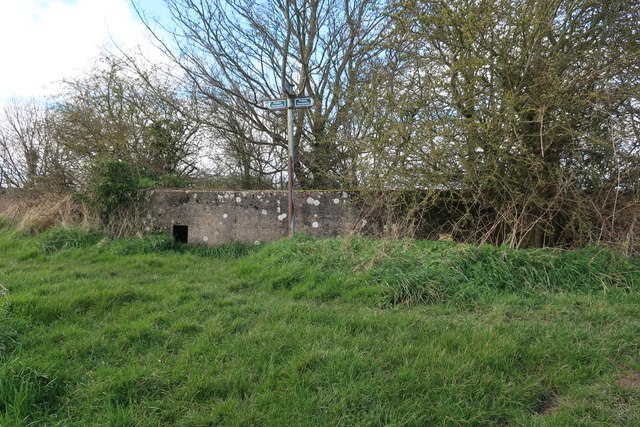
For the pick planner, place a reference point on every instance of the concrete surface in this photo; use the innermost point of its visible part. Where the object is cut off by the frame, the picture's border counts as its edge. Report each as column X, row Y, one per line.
column 219, row 217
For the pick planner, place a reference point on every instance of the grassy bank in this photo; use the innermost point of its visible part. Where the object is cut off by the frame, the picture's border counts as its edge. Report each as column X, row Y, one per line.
column 314, row 332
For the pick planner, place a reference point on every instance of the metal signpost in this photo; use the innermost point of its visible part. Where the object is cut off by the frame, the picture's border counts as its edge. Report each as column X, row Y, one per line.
column 289, row 104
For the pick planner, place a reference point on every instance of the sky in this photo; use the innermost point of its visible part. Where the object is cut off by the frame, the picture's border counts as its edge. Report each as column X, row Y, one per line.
column 45, row 41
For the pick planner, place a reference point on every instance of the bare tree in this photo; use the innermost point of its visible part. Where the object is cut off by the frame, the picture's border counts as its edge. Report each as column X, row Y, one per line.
column 234, row 54
column 29, row 155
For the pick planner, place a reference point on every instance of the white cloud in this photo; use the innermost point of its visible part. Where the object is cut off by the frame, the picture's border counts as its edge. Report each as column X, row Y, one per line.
column 44, row 41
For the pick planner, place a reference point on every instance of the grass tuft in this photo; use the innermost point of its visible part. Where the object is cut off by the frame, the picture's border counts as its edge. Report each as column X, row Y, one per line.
column 234, row 250
column 139, row 245
column 8, row 334
column 413, row 272
column 59, row 238
column 26, row 393
column 467, row 274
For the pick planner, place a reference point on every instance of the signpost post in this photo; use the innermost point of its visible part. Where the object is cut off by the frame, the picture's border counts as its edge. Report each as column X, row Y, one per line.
column 289, row 104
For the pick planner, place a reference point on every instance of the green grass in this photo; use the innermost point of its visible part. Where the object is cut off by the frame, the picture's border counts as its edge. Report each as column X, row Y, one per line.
column 350, row 331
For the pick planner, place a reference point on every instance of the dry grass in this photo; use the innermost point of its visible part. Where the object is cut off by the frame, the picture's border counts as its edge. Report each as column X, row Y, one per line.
column 631, row 381
column 38, row 210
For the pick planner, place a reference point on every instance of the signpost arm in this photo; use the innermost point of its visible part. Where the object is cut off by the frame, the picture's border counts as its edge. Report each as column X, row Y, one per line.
column 291, row 183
